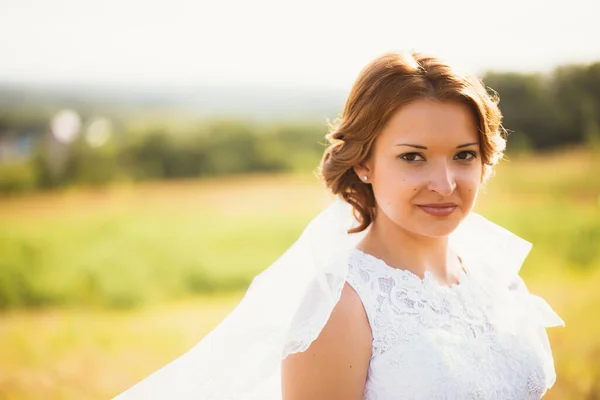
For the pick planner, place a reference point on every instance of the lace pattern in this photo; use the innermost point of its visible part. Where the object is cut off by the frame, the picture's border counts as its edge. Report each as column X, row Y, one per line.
column 467, row 341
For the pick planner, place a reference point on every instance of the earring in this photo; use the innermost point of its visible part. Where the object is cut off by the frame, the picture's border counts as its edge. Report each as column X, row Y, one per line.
column 365, row 178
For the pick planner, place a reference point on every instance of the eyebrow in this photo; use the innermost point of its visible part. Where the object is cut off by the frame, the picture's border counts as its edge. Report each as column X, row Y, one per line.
column 418, row 146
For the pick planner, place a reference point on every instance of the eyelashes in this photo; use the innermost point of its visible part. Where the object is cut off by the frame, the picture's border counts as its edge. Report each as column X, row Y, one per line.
column 411, row 157
column 472, row 155
column 414, row 157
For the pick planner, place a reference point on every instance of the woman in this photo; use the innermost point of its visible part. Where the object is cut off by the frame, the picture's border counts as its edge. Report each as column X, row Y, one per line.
column 397, row 290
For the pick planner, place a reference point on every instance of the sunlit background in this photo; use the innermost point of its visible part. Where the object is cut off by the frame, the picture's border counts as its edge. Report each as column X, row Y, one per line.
column 156, row 155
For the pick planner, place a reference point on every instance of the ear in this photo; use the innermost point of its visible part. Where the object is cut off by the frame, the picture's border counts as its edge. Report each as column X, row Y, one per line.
column 363, row 169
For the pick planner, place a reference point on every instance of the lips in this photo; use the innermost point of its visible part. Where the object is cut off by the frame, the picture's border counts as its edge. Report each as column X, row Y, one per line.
column 438, row 210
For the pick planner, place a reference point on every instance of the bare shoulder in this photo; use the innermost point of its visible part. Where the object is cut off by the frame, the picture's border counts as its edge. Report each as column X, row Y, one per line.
column 335, row 365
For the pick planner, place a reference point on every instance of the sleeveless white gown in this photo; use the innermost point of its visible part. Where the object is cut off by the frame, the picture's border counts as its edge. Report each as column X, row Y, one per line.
column 478, row 339
column 483, row 338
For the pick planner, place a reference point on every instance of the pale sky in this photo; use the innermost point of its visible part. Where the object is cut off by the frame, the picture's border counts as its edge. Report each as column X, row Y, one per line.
column 315, row 43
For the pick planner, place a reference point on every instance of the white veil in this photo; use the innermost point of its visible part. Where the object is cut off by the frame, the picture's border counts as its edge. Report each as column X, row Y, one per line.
column 288, row 304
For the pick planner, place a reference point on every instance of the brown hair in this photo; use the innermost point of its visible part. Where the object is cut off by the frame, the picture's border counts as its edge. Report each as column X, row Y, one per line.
column 382, row 87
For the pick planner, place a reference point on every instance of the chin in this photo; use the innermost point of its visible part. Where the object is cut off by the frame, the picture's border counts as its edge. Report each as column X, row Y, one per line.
column 438, row 227
column 438, row 233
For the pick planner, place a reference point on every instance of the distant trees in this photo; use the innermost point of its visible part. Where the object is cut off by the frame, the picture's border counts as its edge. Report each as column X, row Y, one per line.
column 541, row 111
column 214, row 148
column 545, row 111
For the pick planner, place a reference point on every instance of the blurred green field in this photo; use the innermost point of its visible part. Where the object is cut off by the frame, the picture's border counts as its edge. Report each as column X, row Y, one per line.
column 101, row 287
column 131, row 245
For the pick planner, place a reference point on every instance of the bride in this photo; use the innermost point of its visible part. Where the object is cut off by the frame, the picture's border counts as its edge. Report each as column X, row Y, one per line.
column 397, row 290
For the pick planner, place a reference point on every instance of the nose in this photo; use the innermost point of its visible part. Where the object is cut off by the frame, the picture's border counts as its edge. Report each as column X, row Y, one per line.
column 442, row 180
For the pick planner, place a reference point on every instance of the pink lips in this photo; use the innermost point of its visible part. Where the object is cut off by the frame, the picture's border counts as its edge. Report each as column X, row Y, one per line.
column 438, row 210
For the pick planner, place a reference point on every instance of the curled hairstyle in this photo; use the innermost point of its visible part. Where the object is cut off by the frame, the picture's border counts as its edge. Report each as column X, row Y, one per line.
column 382, row 87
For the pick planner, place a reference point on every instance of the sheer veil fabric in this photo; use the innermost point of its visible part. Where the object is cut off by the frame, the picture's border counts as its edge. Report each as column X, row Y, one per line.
column 288, row 304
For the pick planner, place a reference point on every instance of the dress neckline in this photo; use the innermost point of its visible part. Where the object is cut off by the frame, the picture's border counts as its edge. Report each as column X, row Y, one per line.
column 428, row 278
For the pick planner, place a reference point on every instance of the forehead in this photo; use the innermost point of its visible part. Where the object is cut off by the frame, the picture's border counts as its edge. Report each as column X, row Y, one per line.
column 431, row 123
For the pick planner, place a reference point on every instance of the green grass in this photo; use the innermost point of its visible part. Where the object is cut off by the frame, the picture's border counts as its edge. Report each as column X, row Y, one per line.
column 72, row 264
column 95, row 354
column 126, row 247
column 552, row 201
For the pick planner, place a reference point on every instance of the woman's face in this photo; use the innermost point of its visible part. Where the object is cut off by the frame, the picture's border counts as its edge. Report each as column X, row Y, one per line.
column 425, row 167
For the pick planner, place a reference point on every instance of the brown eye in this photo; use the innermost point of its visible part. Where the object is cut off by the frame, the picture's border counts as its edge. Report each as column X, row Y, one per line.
column 466, row 156
column 412, row 157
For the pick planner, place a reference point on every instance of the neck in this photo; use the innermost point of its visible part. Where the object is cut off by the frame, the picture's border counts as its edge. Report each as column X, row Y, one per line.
column 406, row 250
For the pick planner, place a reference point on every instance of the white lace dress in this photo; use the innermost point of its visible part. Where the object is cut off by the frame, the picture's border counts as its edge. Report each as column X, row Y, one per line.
column 482, row 338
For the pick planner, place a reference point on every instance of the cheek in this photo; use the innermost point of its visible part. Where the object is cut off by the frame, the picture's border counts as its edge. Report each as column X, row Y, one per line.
column 468, row 184
column 396, row 198
column 406, row 187
column 469, row 177
column 394, row 180
column 412, row 181
column 396, row 191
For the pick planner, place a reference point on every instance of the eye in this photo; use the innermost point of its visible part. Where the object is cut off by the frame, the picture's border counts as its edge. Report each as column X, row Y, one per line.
column 466, row 156
column 412, row 157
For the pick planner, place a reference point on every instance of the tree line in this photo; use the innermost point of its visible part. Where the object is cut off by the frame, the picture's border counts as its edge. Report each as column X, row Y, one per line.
column 541, row 111
column 550, row 110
